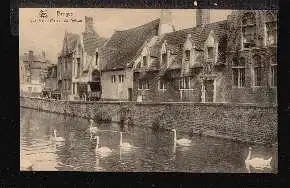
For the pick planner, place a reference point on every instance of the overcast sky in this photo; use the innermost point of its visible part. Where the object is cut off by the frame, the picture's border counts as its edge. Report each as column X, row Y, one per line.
column 48, row 36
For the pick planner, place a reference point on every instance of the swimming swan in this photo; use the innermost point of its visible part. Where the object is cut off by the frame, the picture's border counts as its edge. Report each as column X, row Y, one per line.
column 257, row 163
column 93, row 130
column 57, row 139
column 102, row 151
column 183, row 141
column 124, row 145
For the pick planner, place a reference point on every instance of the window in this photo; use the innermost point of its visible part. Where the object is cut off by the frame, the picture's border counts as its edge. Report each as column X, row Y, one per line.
column 257, row 71
column 187, row 55
column 210, row 52
column 65, row 66
column 162, row 85
column 97, row 58
column 143, row 84
column 164, row 59
column 78, row 67
column 238, row 72
column 121, row 78
column 69, row 84
column 185, row 83
column 249, row 30
column 144, row 61
column 113, row 78
column 271, row 33
column 138, row 65
column 274, row 75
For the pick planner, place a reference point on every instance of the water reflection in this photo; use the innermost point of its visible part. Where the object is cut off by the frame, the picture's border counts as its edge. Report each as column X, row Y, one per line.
column 152, row 151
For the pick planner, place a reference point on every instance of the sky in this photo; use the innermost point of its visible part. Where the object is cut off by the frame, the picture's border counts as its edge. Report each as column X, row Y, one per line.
column 48, row 35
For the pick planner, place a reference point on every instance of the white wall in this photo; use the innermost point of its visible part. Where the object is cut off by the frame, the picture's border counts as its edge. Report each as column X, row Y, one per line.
column 117, row 90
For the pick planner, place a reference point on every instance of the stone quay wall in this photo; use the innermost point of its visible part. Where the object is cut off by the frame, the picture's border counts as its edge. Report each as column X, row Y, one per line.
column 241, row 122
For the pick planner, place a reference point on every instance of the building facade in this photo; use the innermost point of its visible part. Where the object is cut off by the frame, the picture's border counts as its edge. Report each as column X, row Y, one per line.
column 227, row 61
column 78, row 64
column 71, row 52
column 233, row 60
column 51, row 79
column 120, row 52
column 33, row 71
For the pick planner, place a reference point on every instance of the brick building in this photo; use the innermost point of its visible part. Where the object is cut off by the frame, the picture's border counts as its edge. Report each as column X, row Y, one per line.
column 51, row 81
column 121, row 50
column 78, row 67
column 233, row 60
column 70, row 53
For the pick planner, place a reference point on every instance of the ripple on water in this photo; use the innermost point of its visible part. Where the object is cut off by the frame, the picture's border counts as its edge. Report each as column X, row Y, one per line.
column 155, row 152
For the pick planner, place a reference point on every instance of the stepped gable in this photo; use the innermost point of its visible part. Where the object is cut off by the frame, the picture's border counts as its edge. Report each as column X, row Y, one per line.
column 123, row 46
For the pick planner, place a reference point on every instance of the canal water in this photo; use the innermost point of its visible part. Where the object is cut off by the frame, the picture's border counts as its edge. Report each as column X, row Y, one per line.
column 152, row 152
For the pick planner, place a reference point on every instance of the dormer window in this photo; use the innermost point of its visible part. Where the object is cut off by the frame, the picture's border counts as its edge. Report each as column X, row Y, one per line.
column 210, row 53
column 248, row 30
column 97, row 58
column 187, row 55
column 145, row 63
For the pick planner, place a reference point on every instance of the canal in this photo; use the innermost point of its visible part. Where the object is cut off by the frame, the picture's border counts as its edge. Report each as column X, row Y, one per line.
column 152, row 152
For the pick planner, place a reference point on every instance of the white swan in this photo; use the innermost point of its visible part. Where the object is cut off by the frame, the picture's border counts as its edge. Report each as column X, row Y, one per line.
column 125, row 145
column 93, row 130
column 57, row 139
column 102, row 151
column 183, row 141
column 257, row 163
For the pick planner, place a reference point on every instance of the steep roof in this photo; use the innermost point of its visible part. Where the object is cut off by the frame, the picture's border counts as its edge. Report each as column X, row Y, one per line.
column 92, row 41
column 121, row 48
column 175, row 41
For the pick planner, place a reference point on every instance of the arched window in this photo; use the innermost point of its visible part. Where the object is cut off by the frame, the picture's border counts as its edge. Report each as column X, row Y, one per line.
column 238, row 67
column 257, row 66
column 248, row 30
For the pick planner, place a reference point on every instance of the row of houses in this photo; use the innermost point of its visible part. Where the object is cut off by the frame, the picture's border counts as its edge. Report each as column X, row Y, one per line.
column 233, row 60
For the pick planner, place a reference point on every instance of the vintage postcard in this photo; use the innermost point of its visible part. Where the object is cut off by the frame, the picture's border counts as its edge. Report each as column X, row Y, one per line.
column 148, row 90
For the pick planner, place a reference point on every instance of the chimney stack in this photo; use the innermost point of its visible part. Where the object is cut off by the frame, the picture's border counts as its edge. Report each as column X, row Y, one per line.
column 202, row 17
column 166, row 24
column 89, row 24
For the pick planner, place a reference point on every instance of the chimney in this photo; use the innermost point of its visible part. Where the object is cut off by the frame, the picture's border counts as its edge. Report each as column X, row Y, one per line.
column 165, row 25
column 89, row 24
column 202, row 17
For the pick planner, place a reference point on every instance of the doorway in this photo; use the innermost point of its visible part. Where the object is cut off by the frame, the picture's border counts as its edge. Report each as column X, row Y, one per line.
column 208, row 90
